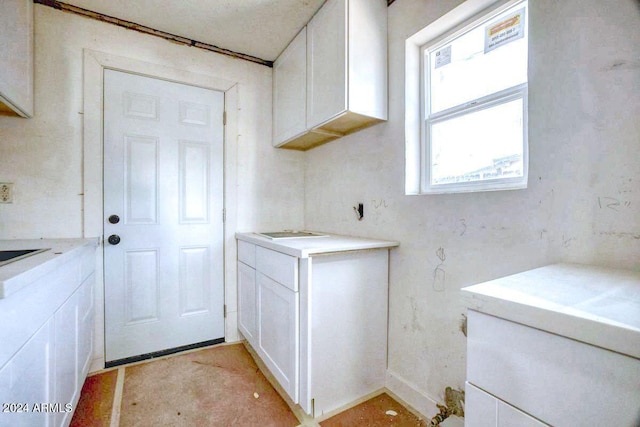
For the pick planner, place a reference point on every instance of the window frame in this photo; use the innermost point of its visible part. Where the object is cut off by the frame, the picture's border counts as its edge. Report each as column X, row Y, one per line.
column 494, row 99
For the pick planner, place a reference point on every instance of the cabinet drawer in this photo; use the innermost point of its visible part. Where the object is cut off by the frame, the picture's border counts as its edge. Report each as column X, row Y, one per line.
column 278, row 266
column 247, row 253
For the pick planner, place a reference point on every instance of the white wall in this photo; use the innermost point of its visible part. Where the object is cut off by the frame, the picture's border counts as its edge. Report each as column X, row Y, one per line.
column 43, row 156
column 584, row 141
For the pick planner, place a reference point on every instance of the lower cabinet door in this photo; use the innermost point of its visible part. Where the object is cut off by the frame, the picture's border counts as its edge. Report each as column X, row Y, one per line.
column 85, row 328
column 66, row 375
column 278, row 332
column 247, row 303
column 26, row 390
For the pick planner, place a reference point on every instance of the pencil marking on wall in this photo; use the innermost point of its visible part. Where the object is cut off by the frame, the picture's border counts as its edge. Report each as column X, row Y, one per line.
column 439, row 274
column 377, row 204
column 415, row 320
column 613, row 203
column 566, row 242
column 621, row 64
column 620, row 235
column 463, row 224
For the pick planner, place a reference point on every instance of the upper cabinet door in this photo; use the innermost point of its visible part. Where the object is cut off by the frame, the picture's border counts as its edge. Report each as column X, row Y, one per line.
column 290, row 90
column 16, row 57
column 327, row 70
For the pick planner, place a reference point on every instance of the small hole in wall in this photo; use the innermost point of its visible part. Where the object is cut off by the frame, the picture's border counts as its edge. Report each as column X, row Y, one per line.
column 359, row 211
column 463, row 325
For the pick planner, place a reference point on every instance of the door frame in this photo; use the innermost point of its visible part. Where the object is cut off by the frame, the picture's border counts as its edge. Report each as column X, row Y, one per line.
column 93, row 166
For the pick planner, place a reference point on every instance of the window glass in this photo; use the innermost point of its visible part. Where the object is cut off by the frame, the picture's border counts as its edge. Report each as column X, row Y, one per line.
column 481, row 145
column 467, row 68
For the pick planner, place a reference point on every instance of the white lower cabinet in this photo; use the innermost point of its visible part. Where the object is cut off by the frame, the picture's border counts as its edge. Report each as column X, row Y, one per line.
column 321, row 321
column 278, row 314
column 43, row 378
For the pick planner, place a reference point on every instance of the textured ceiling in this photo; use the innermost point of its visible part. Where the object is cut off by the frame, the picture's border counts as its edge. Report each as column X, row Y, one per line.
column 260, row 28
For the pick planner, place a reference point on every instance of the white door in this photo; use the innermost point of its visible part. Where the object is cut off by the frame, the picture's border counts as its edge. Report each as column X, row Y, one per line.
column 163, row 179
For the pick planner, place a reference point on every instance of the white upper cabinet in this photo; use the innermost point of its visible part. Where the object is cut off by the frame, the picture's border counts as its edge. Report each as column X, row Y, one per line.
column 16, row 57
column 345, row 60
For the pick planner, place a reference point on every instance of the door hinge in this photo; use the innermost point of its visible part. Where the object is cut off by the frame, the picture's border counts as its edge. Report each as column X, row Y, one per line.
column 225, row 311
column 224, row 215
column 224, row 118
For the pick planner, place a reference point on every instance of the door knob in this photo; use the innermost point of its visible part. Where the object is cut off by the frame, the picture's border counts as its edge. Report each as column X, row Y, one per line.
column 114, row 219
column 114, row 239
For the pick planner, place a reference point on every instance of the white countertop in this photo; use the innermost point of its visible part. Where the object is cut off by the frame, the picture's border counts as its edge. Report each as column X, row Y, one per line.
column 16, row 275
column 304, row 247
column 596, row 305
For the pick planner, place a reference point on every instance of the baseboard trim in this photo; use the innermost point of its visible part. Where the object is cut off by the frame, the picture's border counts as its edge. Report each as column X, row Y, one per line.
column 97, row 365
column 411, row 396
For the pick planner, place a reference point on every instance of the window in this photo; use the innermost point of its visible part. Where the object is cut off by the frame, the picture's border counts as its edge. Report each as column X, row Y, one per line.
column 474, row 105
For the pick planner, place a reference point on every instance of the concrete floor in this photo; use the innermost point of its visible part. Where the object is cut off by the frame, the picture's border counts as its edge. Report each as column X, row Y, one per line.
column 215, row 386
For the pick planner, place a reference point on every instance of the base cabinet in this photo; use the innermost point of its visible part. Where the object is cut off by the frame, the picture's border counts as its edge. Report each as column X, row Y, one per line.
column 321, row 322
column 43, row 378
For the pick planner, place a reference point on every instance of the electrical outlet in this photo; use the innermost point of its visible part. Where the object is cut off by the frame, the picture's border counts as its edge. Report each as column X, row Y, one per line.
column 6, row 192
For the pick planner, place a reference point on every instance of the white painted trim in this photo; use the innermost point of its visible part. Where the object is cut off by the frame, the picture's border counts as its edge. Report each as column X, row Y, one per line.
column 97, row 364
column 94, row 64
column 411, row 395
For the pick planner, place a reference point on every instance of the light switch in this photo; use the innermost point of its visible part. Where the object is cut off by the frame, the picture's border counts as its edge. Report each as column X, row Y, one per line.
column 6, row 192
